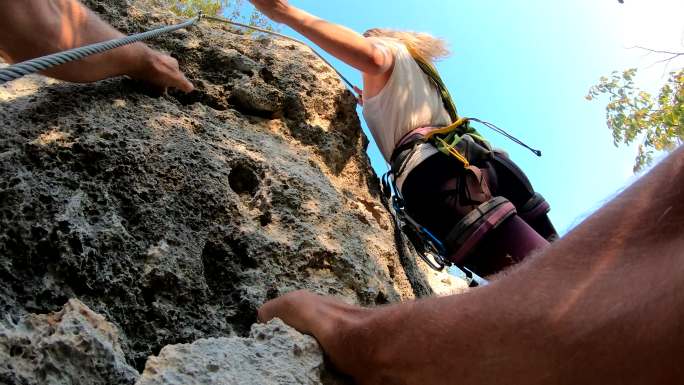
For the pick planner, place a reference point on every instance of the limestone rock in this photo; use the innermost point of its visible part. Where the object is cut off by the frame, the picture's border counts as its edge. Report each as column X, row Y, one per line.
column 444, row 283
column 72, row 346
column 176, row 216
column 272, row 354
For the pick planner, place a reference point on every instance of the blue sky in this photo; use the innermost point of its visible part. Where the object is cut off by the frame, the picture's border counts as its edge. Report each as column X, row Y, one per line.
column 526, row 66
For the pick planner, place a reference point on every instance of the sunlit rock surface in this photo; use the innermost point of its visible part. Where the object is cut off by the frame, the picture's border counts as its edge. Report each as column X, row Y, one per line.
column 72, row 346
column 271, row 354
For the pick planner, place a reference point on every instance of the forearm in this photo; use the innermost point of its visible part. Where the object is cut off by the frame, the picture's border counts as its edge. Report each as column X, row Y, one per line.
column 341, row 42
column 603, row 305
column 41, row 27
column 467, row 339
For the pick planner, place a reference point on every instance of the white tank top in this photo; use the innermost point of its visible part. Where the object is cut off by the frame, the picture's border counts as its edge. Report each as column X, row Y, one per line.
column 409, row 100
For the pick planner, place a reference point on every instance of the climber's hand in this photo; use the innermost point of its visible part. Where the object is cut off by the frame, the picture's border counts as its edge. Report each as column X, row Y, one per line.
column 161, row 71
column 303, row 310
column 66, row 24
column 333, row 323
column 276, row 10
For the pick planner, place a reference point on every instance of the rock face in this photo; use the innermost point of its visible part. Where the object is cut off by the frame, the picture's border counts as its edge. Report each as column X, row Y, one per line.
column 73, row 346
column 273, row 354
column 175, row 217
column 78, row 346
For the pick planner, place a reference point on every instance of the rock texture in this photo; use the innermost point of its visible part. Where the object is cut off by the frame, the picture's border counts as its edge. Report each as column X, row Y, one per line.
column 272, row 354
column 175, row 217
column 78, row 346
column 72, row 346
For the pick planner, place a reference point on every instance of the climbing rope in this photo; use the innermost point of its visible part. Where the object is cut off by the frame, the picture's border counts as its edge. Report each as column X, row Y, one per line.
column 32, row 66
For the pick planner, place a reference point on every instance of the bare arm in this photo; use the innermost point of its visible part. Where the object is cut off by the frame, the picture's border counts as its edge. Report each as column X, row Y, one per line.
column 341, row 42
column 603, row 305
column 32, row 28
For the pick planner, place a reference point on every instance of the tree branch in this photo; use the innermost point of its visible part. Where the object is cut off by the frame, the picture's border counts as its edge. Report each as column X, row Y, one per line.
column 673, row 55
column 650, row 50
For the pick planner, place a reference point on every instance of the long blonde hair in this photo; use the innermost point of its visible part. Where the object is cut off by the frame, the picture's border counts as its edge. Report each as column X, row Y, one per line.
column 429, row 47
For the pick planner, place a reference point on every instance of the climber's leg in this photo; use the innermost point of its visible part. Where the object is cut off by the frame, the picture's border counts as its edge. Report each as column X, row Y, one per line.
column 504, row 246
column 426, row 201
column 433, row 198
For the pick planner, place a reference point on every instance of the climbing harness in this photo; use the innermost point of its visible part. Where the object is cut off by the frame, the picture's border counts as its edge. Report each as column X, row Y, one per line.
column 472, row 151
column 460, row 126
column 43, row 63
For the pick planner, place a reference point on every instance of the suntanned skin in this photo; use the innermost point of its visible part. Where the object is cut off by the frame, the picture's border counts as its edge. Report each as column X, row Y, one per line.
column 339, row 41
column 33, row 28
column 603, row 305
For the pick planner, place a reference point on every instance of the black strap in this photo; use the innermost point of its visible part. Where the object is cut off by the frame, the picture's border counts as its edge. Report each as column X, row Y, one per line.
column 513, row 168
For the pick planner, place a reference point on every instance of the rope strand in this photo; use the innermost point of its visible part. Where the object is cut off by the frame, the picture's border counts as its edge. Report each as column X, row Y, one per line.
column 32, row 66
column 501, row 131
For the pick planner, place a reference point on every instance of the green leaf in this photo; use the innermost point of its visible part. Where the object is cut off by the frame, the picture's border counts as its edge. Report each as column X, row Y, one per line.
column 631, row 113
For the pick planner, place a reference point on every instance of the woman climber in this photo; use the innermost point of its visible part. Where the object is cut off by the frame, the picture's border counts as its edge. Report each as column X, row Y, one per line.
column 472, row 197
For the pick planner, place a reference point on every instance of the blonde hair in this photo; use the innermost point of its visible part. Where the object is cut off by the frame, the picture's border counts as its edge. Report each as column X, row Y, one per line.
column 429, row 47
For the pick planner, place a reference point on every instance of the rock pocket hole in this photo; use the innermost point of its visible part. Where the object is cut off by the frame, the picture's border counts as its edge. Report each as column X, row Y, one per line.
column 381, row 299
column 265, row 219
column 245, row 317
column 197, row 96
column 16, row 351
column 267, row 75
column 243, row 180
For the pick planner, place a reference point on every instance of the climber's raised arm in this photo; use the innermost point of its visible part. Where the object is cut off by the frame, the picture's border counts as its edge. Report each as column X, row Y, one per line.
column 341, row 42
column 33, row 28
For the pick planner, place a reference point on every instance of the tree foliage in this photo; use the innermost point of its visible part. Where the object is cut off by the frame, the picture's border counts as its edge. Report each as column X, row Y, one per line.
column 232, row 9
column 189, row 8
column 633, row 114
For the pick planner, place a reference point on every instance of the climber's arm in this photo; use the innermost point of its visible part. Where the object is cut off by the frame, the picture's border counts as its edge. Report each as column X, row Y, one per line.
column 341, row 42
column 475, row 338
column 32, row 28
column 605, row 304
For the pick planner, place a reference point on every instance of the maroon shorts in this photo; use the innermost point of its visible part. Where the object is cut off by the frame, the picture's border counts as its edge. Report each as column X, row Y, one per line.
column 434, row 194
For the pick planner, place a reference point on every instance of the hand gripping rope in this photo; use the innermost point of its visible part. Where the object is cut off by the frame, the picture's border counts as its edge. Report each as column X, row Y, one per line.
column 32, row 66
